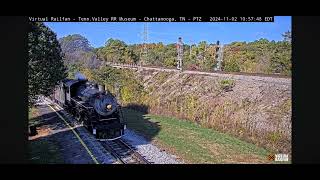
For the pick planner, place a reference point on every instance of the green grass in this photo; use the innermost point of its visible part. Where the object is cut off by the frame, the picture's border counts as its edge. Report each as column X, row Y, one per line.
column 226, row 83
column 42, row 150
column 193, row 143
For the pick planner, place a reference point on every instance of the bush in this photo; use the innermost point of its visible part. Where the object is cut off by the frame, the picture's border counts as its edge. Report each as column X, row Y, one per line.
column 227, row 84
column 170, row 62
column 231, row 65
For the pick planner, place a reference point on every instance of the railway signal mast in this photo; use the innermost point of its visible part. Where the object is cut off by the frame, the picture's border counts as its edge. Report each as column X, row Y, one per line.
column 144, row 53
column 180, row 54
column 219, row 56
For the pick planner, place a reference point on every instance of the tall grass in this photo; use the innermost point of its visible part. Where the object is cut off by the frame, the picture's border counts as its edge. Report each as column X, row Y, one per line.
column 228, row 116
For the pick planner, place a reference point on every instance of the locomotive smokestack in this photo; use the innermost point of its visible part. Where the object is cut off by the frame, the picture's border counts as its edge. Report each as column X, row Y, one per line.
column 101, row 88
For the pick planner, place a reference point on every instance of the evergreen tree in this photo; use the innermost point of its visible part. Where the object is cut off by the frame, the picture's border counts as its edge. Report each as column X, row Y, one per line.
column 45, row 64
column 287, row 36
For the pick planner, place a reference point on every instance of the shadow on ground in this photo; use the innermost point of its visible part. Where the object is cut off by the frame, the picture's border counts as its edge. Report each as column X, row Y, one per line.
column 136, row 119
column 56, row 143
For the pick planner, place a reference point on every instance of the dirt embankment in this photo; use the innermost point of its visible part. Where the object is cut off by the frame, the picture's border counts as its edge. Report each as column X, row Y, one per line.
column 256, row 109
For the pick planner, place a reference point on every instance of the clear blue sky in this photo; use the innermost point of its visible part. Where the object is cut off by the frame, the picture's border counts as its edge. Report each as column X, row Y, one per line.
column 191, row 32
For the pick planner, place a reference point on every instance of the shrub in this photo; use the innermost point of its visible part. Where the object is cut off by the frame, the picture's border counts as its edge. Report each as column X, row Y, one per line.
column 227, row 84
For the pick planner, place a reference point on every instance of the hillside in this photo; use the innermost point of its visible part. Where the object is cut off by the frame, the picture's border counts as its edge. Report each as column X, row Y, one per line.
column 77, row 51
column 260, row 56
column 258, row 111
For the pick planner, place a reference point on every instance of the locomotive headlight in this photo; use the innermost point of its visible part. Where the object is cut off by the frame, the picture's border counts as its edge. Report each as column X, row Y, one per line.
column 109, row 106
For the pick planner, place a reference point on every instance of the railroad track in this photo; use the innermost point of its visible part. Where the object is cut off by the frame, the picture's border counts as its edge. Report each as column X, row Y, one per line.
column 194, row 71
column 123, row 152
column 118, row 148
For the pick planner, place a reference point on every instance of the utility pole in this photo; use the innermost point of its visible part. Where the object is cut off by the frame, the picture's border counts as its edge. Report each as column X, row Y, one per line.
column 180, row 54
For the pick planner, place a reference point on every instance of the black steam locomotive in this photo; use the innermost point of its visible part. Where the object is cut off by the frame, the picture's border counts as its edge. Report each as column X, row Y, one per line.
column 91, row 105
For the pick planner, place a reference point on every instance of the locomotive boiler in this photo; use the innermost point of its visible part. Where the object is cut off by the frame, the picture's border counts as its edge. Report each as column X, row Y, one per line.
column 91, row 105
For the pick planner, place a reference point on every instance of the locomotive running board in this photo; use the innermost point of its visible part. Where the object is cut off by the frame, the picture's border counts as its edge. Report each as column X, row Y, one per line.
column 109, row 139
column 107, row 119
column 87, row 107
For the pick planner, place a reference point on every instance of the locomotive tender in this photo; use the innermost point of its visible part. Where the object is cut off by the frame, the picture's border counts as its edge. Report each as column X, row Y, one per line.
column 98, row 110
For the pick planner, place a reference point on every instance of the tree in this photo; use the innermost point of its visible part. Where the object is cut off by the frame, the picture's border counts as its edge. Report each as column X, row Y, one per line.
column 287, row 36
column 170, row 62
column 77, row 50
column 130, row 56
column 281, row 59
column 232, row 64
column 114, row 50
column 73, row 69
column 75, row 42
column 45, row 64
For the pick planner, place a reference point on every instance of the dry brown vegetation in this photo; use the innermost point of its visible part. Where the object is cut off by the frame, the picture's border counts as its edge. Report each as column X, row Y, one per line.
column 256, row 112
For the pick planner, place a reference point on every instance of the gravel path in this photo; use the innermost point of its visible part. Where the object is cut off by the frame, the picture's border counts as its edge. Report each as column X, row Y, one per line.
column 148, row 150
